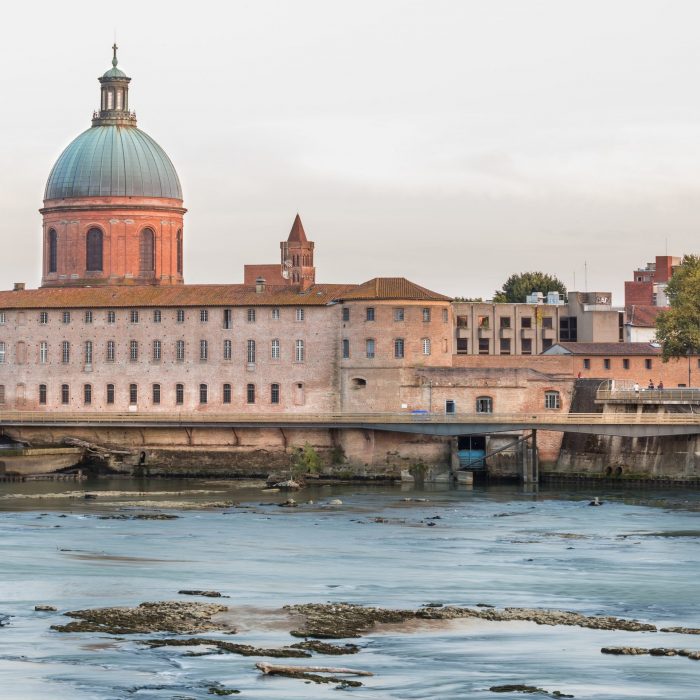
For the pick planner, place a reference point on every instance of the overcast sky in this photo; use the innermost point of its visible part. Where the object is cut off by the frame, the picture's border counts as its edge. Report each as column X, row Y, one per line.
column 450, row 142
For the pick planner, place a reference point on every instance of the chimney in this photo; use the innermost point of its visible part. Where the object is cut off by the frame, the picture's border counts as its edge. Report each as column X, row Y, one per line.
column 19, row 287
column 259, row 285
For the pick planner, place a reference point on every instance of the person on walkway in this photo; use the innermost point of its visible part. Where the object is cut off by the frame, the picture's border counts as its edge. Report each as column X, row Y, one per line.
column 635, row 386
column 661, row 384
column 651, row 385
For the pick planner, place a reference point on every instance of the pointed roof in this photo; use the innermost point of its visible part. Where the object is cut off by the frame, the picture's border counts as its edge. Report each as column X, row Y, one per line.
column 297, row 234
column 392, row 288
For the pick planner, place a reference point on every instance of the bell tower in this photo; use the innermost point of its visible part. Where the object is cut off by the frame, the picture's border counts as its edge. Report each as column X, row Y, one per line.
column 298, row 257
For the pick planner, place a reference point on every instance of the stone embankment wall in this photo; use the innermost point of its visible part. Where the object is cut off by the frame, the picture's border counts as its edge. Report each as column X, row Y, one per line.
column 625, row 459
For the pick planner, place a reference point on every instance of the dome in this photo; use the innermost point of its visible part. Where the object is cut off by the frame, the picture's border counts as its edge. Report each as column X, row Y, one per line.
column 113, row 161
column 114, row 73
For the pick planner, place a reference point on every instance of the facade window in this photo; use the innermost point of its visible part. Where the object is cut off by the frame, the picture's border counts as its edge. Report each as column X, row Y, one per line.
column 250, row 351
column 180, row 350
column 134, row 316
column 300, row 314
column 346, row 348
column 3, row 352
column 369, row 313
column 65, row 394
column 399, row 314
column 625, row 363
column 526, row 322
column 505, row 346
column 346, row 314
column 547, row 343
column 203, row 315
column 179, row 394
column 547, row 322
column 65, row 352
column 483, row 322
column 203, row 393
column 228, row 319
column 526, row 346
column 2, row 318
column 275, row 349
column 228, row 349
column 157, row 316
column 445, row 315
column 111, row 346
column 133, row 350
column 43, row 352
column 274, row 393
column 2, row 393
column 426, row 315
column 505, row 321
column 110, row 393
column 552, row 399
column 227, row 393
column 133, row 394
column 275, row 314
column 111, row 317
column 43, row 317
column 251, row 315
column 250, row 393
column 647, row 364
column 88, row 352
column 53, row 251
column 484, row 404
column 42, row 394
column 157, row 351
column 399, row 348
column 425, row 344
column 586, row 363
column 484, row 346
column 298, row 350
column 606, row 363
column 203, row 350
column 147, row 257
column 462, row 346
column 179, row 252
column 88, row 316
column 93, row 250
column 87, row 394
column 370, row 348
column 66, row 317
column 156, row 394
column 180, row 315
column 568, row 329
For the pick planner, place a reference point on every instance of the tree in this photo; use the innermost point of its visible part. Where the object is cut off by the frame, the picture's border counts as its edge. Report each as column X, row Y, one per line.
column 678, row 329
column 517, row 287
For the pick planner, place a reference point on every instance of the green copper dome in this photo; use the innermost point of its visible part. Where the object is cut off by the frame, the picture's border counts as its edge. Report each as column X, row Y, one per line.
column 113, row 161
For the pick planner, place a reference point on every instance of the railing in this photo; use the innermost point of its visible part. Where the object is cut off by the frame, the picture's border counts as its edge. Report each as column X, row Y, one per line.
column 679, row 395
column 187, row 418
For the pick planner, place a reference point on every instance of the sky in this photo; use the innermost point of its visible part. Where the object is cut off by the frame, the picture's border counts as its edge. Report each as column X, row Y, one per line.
column 450, row 142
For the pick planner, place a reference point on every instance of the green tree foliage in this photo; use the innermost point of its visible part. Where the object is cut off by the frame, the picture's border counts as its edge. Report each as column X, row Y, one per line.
column 517, row 287
column 306, row 461
column 678, row 329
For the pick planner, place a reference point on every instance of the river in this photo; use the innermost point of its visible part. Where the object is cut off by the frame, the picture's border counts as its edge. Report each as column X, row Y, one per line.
column 636, row 556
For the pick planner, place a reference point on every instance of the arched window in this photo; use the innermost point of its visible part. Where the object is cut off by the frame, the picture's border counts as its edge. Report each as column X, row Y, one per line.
column 93, row 249
column 53, row 251
column 179, row 252
column 484, row 404
column 147, row 256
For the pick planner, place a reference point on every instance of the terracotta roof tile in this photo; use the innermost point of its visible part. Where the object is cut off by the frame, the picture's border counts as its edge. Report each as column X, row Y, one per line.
column 609, row 348
column 643, row 316
column 297, row 234
column 392, row 288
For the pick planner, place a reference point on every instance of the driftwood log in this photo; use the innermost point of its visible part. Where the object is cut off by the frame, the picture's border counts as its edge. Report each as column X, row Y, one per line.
column 275, row 670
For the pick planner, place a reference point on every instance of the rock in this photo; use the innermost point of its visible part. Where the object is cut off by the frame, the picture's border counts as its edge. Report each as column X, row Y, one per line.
column 4, row 620
column 230, row 648
column 289, row 503
column 90, row 496
column 681, row 630
column 207, row 594
column 624, row 651
column 216, row 690
column 163, row 616
column 527, row 689
column 45, row 608
column 288, row 485
column 325, row 648
column 655, row 651
column 335, row 502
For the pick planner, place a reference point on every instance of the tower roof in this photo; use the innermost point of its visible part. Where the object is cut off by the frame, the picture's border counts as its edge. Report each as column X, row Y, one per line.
column 297, row 234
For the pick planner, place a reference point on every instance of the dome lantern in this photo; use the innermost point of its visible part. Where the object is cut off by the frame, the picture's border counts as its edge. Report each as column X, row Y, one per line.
column 114, row 97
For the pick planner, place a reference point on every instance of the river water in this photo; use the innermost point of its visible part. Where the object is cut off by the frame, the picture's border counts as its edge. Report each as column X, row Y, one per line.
column 637, row 556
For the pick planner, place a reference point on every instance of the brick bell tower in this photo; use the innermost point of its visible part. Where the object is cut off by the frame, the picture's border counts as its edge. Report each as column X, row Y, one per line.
column 298, row 257
column 113, row 209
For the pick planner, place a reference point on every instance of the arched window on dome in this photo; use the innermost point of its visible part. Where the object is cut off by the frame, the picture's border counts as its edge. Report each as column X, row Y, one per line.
column 53, row 251
column 179, row 252
column 93, row 250
column 147, row 256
